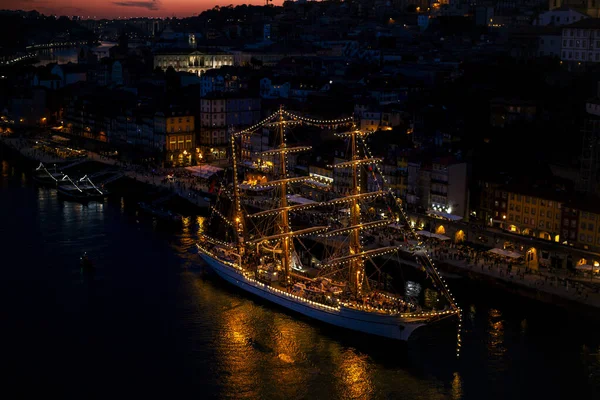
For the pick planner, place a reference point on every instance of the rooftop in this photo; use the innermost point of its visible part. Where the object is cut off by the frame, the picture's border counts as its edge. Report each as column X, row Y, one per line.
column 588, row 23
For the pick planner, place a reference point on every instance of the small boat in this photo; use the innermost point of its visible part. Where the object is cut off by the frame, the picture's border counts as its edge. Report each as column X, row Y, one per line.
column 45, row 177
column 86, row 191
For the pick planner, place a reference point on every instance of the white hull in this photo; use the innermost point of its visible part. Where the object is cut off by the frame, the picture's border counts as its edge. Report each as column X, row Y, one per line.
column 389, row 326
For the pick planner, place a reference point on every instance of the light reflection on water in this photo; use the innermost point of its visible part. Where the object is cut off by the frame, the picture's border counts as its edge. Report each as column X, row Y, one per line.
column 152, row 298
column 457, row 390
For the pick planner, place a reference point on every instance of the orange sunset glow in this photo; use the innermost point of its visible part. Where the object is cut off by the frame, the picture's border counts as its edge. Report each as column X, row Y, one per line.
column 122, row 8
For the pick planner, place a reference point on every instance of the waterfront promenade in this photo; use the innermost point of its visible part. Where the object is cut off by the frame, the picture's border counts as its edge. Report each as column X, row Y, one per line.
column 578, row 289
column 184, row 186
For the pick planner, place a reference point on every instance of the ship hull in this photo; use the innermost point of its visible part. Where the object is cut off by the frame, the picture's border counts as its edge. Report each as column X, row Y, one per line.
column 389, row 326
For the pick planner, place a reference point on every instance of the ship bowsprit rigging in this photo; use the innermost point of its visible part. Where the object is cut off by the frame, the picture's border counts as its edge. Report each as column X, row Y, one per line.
column 312, row 255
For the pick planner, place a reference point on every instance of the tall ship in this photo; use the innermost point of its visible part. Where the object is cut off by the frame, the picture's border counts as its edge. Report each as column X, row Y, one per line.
column 265, row 251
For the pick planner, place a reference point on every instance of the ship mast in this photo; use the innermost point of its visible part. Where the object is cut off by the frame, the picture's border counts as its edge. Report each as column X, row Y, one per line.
column 238, row 219
column 284, row 216
column 357, row 263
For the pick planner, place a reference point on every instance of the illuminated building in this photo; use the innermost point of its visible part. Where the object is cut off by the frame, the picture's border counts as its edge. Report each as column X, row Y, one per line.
column 532, row 215
column 190, row 60
column 180, row 139
column 580, row 223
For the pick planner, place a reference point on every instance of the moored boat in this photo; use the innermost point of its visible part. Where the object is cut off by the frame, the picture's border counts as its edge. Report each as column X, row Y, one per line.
column 339, row 290
column 85, row 191
column 45, row 177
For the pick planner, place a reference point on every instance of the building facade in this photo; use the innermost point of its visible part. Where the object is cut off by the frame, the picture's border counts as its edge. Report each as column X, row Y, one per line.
column 192, row 61
column 581, row 42
column 180, row 138
column 220, row 112
column 529, row 215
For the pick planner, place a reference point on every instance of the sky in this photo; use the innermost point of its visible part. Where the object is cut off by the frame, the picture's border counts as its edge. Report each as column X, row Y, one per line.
column 121, row 8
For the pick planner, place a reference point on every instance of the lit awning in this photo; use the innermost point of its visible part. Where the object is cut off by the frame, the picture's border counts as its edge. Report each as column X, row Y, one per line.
column 587, row 267
column 505, row 253
column 433, row 235
column 204, row 171
column 446, row 215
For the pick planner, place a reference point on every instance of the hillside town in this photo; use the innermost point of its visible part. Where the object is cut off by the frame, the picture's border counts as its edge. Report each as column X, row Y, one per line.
column 485, row 112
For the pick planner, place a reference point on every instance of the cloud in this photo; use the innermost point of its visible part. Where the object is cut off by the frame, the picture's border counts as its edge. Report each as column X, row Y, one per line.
column 149, row 5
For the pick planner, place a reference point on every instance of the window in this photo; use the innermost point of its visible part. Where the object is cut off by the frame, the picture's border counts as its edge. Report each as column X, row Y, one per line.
column 582, row 237
column 503, row 205
column 573, row 223
column 526, row 210
column 533, row 211
column 532, row 221
column 583, row 226
column 518, row 218
column 510, row 217
column 549, row 204
column 549, row 214
column 527, row 199
column 542, row 224
column 518, row 197
column 518, row 209
column 591, row 227
column 525, row 220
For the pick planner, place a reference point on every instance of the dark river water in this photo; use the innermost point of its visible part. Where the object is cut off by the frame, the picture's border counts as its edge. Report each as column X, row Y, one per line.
column 151, row 324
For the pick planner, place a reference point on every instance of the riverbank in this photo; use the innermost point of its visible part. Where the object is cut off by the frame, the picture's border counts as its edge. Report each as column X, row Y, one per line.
column 554, row 287
column 184, row 188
